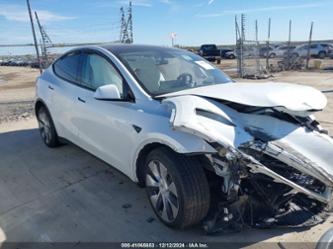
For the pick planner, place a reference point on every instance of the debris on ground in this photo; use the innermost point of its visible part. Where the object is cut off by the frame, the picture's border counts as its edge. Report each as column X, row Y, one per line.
column 150, row 219
column 126, row 205
column 16, row 111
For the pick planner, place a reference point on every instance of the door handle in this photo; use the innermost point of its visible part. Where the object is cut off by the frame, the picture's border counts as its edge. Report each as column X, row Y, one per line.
column 81, row 100
column 51, row 88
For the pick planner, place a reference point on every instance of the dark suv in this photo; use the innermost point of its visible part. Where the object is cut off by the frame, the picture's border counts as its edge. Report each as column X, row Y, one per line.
column 210, row 52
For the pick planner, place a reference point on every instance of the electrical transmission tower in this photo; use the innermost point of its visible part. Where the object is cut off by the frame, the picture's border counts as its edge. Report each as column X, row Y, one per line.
column 45, row 44
column 126, row 26
column 130, row 23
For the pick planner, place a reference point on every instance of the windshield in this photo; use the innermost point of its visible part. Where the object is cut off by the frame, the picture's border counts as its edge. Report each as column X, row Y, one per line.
column 165, row 70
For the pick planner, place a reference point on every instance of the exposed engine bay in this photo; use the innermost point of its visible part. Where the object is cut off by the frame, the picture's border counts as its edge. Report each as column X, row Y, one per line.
column 273, row 165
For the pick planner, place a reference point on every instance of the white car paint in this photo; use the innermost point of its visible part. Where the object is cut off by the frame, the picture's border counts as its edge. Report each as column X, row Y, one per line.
column 103, row 120
column 186, row 121
column 272, row 94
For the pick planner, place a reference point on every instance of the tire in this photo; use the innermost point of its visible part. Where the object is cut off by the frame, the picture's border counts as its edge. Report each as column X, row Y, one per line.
column 46, row 128
column 272, row 55
column 232, row 57
column 322, row 54
column 295, row 55
column 218, row 61
column 180, row 183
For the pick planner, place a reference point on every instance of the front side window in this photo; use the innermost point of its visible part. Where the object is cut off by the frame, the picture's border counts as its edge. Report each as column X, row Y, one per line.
column 97, row 71
column 67, row 66
column 164, row 70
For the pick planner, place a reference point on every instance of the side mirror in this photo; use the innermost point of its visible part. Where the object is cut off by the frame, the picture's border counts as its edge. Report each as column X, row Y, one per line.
column 107, row 92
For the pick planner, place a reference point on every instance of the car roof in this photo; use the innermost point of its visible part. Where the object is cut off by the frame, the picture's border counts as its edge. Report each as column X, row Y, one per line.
column 119, row 48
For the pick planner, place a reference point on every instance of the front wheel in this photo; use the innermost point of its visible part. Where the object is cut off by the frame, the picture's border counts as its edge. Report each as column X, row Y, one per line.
column 177, row 188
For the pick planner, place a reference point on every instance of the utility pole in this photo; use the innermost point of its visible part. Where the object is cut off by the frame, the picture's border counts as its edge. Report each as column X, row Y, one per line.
column 238, row 38
column 46, row 42
column 34, row 36
column 267, row 44
column 309, row 47
column 242, row 40
column 173, row 36
column 289, row 43
column 257, row 50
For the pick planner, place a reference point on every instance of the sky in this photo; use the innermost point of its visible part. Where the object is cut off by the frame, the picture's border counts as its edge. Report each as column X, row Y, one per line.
column 194, row 21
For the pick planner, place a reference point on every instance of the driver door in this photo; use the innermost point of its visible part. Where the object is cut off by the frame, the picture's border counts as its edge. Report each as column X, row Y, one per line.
column 104, row 126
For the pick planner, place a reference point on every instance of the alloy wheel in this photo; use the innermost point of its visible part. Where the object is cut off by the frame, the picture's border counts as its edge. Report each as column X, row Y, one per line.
column 162, row 191
column 44, row 127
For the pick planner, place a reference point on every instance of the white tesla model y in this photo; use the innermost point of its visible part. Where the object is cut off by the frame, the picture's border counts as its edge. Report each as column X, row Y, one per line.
column 204, row 147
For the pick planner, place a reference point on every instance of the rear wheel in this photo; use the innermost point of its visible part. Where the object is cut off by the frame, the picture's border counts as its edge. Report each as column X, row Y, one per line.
column 322, row 54
column 295, row 55
column 177, row 188
column 46, row 128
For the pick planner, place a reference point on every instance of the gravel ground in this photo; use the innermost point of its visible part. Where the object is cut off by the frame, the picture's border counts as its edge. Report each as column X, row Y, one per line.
column 16, row 111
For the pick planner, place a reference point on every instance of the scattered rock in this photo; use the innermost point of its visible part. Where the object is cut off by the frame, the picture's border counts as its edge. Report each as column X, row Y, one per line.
column 126, row 205
column 16, row 111
column 150, row 219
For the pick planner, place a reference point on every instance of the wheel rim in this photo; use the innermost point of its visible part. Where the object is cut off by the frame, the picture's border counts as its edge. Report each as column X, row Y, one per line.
column 44, row 127
column 162, row 191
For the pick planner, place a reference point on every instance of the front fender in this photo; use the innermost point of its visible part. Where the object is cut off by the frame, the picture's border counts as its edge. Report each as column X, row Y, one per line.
column 178, row 141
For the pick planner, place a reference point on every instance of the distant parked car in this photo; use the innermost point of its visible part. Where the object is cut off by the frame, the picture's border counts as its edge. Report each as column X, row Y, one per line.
column 225, row 51
column 281, row 51
column 210, row 52
column 264, row 50
column 230, row 55
column 320, row 50
column 34, row 64
column 330, row 54
column 12, row 63
column 248, row 52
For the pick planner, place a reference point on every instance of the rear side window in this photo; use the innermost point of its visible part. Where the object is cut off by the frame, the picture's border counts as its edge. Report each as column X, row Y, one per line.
column 67, row 67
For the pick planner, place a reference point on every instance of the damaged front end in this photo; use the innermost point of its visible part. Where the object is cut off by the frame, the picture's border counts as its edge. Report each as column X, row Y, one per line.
column 272, row 167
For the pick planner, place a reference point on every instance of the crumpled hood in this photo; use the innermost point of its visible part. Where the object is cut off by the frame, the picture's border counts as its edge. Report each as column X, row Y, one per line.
column 293, row 97
column 309, row 152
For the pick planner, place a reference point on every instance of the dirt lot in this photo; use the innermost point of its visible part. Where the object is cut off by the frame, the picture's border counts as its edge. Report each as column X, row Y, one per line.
column 17, row 92
column 67, row 195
